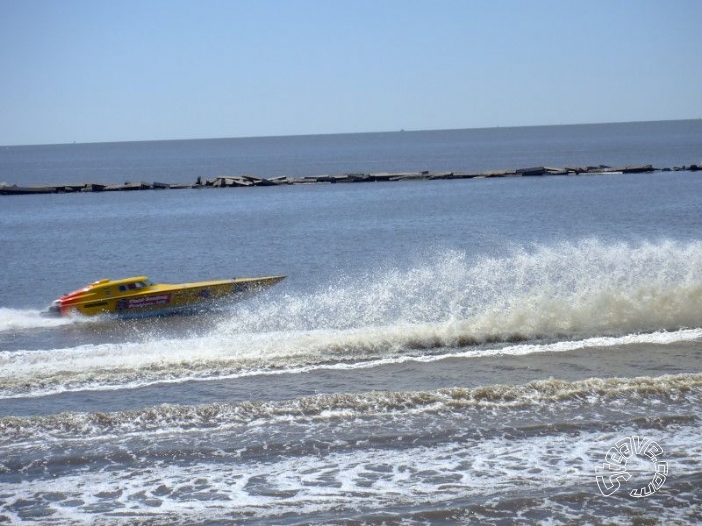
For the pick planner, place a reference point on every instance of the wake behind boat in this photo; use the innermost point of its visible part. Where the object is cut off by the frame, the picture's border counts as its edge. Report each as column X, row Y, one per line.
column 139, row 296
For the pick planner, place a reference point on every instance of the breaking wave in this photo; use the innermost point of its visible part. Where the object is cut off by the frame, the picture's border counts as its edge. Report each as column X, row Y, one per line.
column 542, row 394
column 129, row 366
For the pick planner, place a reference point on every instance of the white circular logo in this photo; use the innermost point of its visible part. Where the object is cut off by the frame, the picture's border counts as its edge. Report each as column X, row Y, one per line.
column 614, row 471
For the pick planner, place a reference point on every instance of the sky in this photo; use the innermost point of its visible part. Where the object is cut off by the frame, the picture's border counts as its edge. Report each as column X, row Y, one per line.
column 132, row 70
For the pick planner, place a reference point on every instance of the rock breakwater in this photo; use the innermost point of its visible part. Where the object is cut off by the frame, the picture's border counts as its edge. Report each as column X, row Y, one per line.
column 240, row 181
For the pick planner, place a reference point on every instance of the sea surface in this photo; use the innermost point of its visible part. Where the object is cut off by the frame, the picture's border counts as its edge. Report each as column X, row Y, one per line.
column 459, row 351
column 664, row 144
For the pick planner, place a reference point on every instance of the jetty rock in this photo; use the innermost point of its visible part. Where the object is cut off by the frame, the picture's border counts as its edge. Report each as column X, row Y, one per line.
column 26, row 190
column 229, row 181
column 498, row 173
column 244, row 181
column 637, row 169
column 538, row 170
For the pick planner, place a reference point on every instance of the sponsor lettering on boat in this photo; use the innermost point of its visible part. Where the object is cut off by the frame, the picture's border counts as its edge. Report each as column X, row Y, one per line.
column 144, row 302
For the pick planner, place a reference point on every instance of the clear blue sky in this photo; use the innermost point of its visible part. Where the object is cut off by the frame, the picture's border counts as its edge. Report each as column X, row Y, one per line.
column 103, row 70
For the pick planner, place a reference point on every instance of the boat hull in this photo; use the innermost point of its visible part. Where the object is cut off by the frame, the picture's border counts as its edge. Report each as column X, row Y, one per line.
column 137, row 297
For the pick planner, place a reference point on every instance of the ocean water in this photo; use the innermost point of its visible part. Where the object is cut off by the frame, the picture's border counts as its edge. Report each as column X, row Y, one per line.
column 664, row 144
column 441, row 352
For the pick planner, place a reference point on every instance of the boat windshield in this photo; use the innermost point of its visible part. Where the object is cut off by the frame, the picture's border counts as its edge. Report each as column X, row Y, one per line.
column 135, row 285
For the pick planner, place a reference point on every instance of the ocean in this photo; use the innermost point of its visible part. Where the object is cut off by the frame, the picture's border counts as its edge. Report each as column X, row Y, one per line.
column 664, row 144
column 476, row 351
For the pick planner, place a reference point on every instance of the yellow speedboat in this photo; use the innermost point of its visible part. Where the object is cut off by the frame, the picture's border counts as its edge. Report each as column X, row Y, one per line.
column 139, row 296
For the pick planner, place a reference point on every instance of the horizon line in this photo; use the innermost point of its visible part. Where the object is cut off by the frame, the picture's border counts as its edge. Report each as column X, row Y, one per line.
column 402, row 130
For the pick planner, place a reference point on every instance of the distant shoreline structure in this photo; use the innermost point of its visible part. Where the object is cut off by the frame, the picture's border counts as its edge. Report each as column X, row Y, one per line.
column 242, row 181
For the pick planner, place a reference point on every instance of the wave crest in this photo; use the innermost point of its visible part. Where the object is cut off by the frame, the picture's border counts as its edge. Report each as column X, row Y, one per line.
column 592, row 391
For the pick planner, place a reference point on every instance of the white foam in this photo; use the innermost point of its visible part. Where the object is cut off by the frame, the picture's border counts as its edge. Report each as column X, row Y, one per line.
column 357, row 476
column 570, row 288
column 17, row 319
column 133, row 365
column 571, row 296
column 679, row 393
